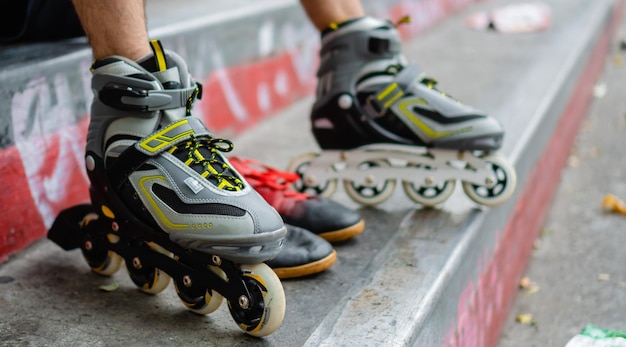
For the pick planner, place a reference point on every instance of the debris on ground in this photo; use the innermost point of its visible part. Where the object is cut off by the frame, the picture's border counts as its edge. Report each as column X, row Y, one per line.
column 593, row 336
column 526, row 319
column 529, row 286
column 109, row 287
column 612, row 203
column 513, row 18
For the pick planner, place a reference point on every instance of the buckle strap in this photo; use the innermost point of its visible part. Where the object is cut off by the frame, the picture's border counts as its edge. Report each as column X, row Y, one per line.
column 124, row 97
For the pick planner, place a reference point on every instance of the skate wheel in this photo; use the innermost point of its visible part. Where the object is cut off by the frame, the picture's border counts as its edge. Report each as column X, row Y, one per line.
column 300, row 165
column 370, row 195
column 503, row 187
column 99, row 258
column 428, row 195
column 262, row 313
column 105, row 266
column 200, row 302
column 146, row 276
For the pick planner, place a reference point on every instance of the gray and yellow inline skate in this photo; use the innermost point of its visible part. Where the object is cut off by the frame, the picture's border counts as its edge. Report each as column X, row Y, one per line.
column 166, row 203
column 380, row 120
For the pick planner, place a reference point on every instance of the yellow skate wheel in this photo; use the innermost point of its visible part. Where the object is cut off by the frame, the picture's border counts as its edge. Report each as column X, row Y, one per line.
column 99, row 258
column 499, row 189
column 106, row 265
column 300, row 166
column 202, row 301
column 263, row 312
column 146, row 276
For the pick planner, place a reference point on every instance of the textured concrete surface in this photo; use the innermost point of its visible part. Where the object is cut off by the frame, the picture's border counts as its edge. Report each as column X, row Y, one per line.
column 50, row 298
column 579, row 261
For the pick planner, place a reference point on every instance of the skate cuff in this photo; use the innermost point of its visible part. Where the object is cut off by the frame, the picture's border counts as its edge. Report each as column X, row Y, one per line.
column 388, row 95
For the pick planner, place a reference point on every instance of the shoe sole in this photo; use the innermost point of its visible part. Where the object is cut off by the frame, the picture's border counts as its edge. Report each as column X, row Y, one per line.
column 307, row 269
column 343, row 234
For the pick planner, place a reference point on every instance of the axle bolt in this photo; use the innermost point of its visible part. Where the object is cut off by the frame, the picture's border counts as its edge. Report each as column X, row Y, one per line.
column 137, row 263
column 187, row 281
column 244, row 302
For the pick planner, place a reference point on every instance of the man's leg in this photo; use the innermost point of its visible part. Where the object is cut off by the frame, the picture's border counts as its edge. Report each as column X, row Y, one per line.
column 114, row 27
column 323, row 13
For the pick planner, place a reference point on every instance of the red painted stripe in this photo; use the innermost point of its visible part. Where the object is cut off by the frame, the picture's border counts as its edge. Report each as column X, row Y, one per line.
column 20, row 222
column 237, row 98
column 484, row 306
column 53, row 180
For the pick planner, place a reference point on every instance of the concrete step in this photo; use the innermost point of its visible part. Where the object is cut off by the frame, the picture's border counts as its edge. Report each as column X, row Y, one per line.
column 437, row 277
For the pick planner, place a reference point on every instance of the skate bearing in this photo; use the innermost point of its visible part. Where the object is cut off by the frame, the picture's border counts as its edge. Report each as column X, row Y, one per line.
column 187, row 281
column 244, row 302
column 137, row 263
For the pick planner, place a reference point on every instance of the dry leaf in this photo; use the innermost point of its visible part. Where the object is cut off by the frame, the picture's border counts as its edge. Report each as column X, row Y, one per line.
column 533, row 290
column 526, row 318
column 612, row 203
column 524, row 283
column 110, row 287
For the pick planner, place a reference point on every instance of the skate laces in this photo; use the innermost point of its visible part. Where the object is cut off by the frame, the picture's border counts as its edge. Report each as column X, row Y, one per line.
column 202, row 155
column 268, row 177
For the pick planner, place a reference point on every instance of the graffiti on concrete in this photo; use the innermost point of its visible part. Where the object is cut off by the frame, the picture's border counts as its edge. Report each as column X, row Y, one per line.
column 50, row 138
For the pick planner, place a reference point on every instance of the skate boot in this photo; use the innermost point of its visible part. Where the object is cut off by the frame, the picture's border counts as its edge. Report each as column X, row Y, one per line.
column 320, row 215
column 380, row 120
column 167, row 203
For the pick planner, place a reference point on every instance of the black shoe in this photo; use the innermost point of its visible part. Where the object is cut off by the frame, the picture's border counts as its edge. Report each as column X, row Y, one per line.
column 303, row 254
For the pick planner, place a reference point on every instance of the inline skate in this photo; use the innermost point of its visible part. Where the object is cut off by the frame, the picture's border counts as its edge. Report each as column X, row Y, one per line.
column 379, row 121
column 166, row 203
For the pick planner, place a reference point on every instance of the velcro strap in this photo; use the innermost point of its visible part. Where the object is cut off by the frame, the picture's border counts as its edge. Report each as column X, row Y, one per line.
column 124, row 97
column 387, row 95
column 171, row 135
column 135, row 156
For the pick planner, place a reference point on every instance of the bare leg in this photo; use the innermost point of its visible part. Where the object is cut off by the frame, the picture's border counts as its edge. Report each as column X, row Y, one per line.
column 114, row 27
column 323, row 13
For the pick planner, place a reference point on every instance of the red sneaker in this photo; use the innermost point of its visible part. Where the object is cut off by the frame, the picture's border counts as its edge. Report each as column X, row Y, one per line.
column 320, row 215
